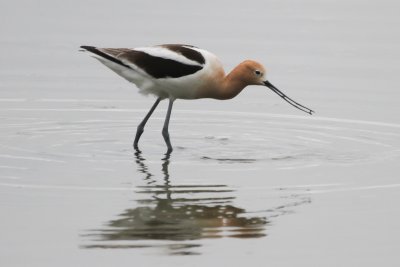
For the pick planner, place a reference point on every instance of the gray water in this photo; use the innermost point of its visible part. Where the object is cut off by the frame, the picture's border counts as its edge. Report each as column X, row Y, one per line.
column 251, row 180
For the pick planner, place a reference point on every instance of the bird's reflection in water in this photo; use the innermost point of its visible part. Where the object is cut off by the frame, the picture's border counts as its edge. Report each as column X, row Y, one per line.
column 179, row 213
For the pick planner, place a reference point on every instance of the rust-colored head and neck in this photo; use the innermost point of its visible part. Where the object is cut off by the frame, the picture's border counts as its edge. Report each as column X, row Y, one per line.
column 222, row 87
column 248, row 72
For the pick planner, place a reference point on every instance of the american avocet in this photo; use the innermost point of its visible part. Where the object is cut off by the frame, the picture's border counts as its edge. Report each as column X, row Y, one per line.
column 175, row 71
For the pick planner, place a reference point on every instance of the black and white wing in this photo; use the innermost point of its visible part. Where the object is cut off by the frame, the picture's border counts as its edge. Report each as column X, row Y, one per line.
column 163, row 61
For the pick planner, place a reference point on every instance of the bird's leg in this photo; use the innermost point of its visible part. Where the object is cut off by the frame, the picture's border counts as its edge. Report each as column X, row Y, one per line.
column 140, row 127
column 165, row 128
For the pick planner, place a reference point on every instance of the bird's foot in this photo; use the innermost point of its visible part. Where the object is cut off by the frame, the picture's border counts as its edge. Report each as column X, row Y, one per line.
column 136, row 147
column 169, row 151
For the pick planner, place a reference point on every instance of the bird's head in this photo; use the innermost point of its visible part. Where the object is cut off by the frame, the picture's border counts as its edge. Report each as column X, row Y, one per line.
column 254, row 73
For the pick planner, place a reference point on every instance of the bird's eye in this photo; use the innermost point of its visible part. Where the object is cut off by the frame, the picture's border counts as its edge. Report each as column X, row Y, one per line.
column 257, row 72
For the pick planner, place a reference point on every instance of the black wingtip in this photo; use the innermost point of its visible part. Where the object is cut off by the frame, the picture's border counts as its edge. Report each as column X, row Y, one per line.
column 96, row 51
column 88, row 48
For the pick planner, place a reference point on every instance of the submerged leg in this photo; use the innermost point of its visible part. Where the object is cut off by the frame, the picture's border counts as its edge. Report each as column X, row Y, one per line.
column 165, row 128
column 140, row 127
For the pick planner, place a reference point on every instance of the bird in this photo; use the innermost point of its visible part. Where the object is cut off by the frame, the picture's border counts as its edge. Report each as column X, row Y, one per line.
column 180, row 71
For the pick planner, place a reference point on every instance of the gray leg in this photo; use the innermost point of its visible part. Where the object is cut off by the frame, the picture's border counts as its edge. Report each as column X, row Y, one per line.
column 165, row 128
column 140, row 127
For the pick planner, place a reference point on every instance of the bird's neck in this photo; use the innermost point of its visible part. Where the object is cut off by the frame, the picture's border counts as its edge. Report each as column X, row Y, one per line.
column 232, row 85
column 222, row 86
